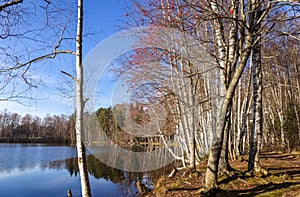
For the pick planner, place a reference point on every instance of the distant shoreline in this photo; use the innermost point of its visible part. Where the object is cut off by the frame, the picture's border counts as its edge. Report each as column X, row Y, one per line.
column 35, row 142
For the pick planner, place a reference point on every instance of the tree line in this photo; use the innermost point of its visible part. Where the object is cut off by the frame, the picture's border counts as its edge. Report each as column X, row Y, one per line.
column 58, row 129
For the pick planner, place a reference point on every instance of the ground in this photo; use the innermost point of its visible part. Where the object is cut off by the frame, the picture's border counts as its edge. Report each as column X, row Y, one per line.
column 282, row 179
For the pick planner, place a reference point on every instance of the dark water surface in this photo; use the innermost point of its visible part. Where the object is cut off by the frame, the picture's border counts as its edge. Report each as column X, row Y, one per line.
column 28, row 170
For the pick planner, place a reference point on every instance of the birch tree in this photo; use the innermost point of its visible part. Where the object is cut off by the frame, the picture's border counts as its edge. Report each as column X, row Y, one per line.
column 256, row 134
column 231, row 77
column 85, row 184
column 281, row 57
column 184, row 72
column 245, row 12
column 232, row 32
column 21, row 66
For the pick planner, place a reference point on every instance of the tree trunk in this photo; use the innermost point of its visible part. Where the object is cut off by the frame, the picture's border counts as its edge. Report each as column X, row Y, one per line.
column 222, row 106
column 238, row 132
column 224, row 165
column 222, row 109
column 85, row 185
column 215, row 150
column 256, row 134
column 244, row 124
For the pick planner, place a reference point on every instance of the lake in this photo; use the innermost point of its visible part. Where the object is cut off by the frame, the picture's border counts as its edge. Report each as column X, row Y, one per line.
column 31, row 170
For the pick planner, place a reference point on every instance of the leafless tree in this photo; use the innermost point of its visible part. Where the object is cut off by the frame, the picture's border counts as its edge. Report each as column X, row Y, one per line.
column 30, row 33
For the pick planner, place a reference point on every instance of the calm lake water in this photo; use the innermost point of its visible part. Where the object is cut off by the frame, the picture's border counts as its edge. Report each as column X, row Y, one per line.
column 28, row 170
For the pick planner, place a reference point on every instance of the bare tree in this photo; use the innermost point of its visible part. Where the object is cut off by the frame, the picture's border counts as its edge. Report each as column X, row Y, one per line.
column 85, row 185
column 20, row 66
column 30, row 33
column 232, row 32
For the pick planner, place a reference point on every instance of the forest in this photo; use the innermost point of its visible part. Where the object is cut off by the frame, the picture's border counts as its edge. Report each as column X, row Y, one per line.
column 60, row 129
column 32, row 129
column 216, row 81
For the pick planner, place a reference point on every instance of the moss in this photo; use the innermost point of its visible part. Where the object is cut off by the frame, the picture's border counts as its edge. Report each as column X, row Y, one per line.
column 277, row 192
column 295, row 154
column 177, row 184
column 163, row 187
column 222, row 177
column 161, row 191
column 290, row 191
column 194, row 174
column 279, row 179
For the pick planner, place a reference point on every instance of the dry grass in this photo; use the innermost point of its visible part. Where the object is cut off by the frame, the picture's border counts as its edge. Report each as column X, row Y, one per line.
column 282, row 179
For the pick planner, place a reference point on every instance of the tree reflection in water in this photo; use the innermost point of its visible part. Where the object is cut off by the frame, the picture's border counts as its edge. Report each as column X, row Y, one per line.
column 125, row 181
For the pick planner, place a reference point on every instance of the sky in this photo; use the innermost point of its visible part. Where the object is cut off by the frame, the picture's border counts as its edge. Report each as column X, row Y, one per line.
column 100, row 16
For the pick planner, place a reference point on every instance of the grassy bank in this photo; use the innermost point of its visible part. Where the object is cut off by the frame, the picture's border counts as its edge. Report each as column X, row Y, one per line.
column 282, row 179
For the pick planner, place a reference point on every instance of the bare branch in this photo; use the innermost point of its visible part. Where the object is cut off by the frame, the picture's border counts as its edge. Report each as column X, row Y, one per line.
column 69, row 75
column 10, row 3
column 40, row 58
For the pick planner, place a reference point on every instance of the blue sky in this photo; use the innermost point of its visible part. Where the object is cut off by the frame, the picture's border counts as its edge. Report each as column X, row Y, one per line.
column 100, row 16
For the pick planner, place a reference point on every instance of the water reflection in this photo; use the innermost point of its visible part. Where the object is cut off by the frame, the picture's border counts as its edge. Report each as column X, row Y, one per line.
column 124, row 181
column 20, row 157
column 39, row 170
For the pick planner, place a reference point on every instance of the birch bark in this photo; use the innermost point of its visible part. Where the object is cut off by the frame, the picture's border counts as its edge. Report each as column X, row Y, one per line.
column 85, row 185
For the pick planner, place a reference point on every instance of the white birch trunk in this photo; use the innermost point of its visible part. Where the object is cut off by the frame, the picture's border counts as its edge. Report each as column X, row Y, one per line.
column 256, row 136
column 215, row 151
column 244, row 124
column 85, row 185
